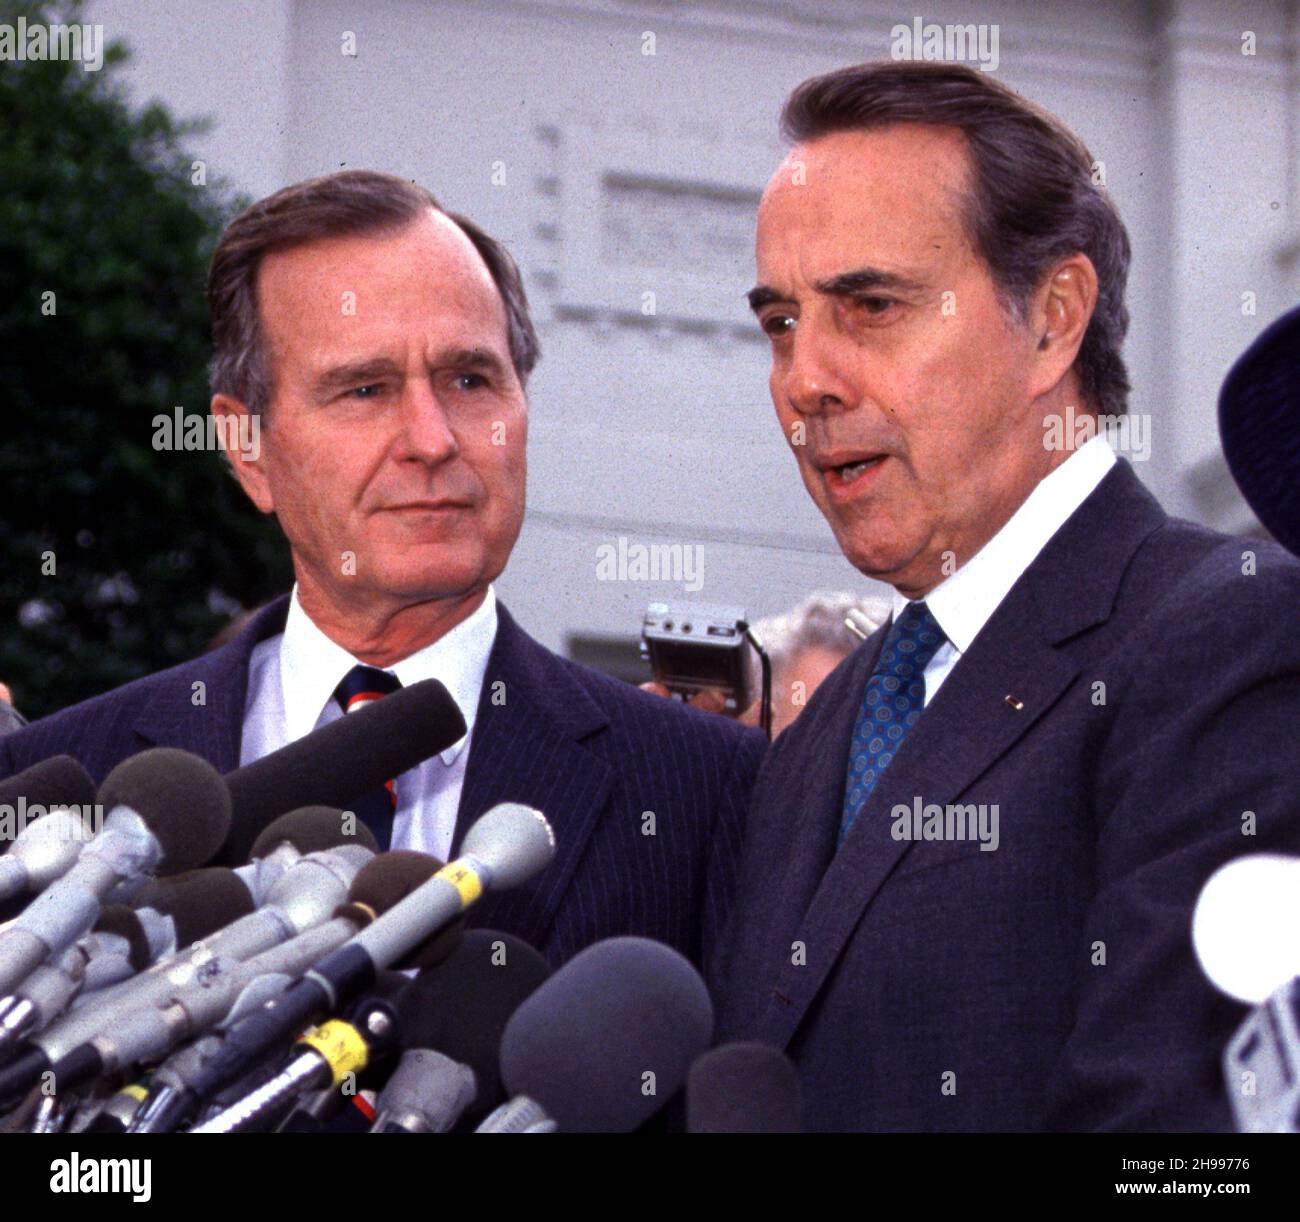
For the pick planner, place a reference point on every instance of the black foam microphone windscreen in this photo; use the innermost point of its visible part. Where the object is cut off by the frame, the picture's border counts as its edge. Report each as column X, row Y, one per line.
column 391, row 877
column 460, row 1007
column 403, row 871
column 199, row 901
column 341, row 761
column 610, row 1037
column 313, row 828
column 1259, row 425
column 181, row 798
column 120, row 920
column 743, row 1088
column 57, row 781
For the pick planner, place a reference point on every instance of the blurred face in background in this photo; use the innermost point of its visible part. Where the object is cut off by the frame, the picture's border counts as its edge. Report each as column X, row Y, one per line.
column 393, row 448
column 793, row 685
column 907, row 393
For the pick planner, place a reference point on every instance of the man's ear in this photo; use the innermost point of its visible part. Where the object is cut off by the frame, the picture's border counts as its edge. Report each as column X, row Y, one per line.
column 240, row 435
column 1059, row 316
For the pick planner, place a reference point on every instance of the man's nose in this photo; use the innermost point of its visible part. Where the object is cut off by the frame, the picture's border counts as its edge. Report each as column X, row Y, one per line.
column 819, row 377
column 426, row 432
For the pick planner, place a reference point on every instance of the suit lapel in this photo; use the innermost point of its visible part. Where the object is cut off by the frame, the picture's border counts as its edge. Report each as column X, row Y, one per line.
column 528, row 746
column 970, row 724
column 790, row 840
column 200, row 708
column 966, row 728
column 821, row 790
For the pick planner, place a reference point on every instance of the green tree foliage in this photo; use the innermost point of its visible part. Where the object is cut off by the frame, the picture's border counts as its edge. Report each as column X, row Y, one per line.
column 149, row 551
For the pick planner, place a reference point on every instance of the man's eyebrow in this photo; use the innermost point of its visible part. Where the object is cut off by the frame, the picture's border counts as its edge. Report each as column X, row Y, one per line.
column 863, row 279
column 472, row 358
column 846, row 284
column 354, row 373
column 761, row 295
column 358, row 373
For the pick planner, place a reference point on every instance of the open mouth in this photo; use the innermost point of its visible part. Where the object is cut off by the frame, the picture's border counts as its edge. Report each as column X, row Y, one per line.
column 845, row 475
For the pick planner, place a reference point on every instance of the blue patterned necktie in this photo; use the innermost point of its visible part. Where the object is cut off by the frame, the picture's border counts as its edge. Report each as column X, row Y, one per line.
column 358, row 688
column 891, row 705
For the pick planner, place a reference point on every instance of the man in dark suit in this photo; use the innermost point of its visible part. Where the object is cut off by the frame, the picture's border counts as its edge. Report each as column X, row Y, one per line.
column 370, row 356
column 971, row 864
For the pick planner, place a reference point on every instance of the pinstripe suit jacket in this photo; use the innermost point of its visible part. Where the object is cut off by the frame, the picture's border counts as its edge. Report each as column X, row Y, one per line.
column 594, row 754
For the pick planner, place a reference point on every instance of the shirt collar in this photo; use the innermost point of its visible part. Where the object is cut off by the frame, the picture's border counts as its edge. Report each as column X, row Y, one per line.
column 963, row 603
column 311, row 666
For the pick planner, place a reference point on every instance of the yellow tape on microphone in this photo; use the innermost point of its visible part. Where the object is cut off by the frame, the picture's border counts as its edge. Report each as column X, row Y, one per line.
column 468, row 884
column 341, row 1045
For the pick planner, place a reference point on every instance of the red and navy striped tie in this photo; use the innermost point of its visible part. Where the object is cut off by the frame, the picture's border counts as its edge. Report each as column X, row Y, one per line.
column 358, row 688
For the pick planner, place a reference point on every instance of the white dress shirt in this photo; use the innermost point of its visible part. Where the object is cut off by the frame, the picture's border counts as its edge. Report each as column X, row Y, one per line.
column 291, row 682
column 963, row 603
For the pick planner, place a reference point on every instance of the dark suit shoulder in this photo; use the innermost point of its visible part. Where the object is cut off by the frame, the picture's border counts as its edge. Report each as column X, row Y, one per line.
column 64, row 732
column 98, row 731
column 1200, row 588
column 129, row 696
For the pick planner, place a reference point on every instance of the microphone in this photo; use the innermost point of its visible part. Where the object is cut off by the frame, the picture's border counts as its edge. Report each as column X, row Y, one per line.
column 461, row 1008
column 169, row 913
column 330, row 1054
column 405, row 871
column 1246, row 926
column 200, row 902
column 45, row 848
column 309, row 829
column 427, row 1093
column 180, row 910
column 194, row 904
column 122, row 943
column 605, row 1042
column 339, row 762
column 335, row 1110
column 1246, row 933
column 1261, row 1065
column 143, row 1035
column 117, row 1110
column 504, row 847
column 743, row 1088
column 305, row 896
column 381, row 885
column 167, row 809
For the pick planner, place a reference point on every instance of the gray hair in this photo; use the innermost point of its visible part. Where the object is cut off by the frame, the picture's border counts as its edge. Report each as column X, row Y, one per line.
column 347, row 203
column 1034, row 197
column 816, row 623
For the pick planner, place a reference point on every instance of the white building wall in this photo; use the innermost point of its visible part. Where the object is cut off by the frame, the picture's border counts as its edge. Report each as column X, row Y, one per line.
column 613, row 173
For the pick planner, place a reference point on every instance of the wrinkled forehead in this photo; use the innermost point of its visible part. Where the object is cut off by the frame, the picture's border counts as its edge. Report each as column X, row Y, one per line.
column 894, row 193
column 426, row 268
column 431, row 247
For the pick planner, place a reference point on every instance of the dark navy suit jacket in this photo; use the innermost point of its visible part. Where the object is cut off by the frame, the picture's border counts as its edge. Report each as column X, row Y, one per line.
column 1050, row 983
column 593, row 754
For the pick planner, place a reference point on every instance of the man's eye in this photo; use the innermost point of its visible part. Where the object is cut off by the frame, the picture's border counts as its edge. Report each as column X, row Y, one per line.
column 471, row 381
column 777, row 325
column 873, row 305
column 369, row 391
